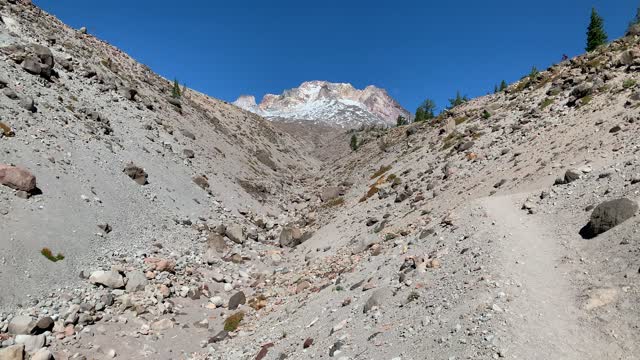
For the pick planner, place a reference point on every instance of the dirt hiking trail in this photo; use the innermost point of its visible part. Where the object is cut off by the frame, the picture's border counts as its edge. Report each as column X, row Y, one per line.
column 543, row 316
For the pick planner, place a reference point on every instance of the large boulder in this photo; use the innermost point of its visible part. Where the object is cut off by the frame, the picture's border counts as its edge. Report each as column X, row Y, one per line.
column 31, row 342
column 31, row 65
column 330, row 193
column 42, row 354
column 43, row 53
column 290, row 236
column 111, row 279
column 15, row 352
column 236, row 300
column 610, row 214
column 136, row 281
column 21, row 324
column 235, row 233
column 28, row 104
column 375, row 300
column 136, row 173
column 17, row 178
column 582, row 90
column 572, row 175
column 42, row 325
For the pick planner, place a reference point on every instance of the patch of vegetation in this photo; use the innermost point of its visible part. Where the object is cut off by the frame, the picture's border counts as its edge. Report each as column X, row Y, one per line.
column 383, row 169
column 628, row 84
column 339, row 288
column 233, row 321
column 461, row 120
column 426, row 111
column 175, row 91
column 46, row 252
column 486, row 114
column 401, row 121
column 595, row 62
column 545, row 103
column 451, row 140
column 391, row 177
column 334, row 202
column 523, row 84
column 372, row 191
column 354, row 142
column 585, row 100
column 458, row 100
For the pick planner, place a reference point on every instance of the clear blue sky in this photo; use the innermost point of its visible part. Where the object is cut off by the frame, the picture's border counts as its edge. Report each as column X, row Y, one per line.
column 414, row 49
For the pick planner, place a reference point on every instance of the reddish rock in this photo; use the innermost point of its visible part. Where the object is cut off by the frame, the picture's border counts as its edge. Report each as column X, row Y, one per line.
column 161, row 264
column 17, row 178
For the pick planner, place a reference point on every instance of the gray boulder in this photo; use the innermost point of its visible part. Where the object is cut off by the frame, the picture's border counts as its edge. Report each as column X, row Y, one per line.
column 290, row 237
column 582, row 90
column 572, row 175
column 31, row 342
column 109, row 279
column 136, row 281
column 28, row 104
column 136, row 173
column 8, row 92
column 235, row 233
column 376, row 299
column 610, row 214
column 43, row 53
column 32, row 65
column 21, row 324
column 330, row 193
column 236, row 300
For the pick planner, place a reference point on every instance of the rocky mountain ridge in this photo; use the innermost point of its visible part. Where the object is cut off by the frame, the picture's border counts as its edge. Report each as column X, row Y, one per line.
column 336, row 104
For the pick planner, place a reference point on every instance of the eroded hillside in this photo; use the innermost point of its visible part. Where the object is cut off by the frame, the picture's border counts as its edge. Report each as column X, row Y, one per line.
column 471, row 237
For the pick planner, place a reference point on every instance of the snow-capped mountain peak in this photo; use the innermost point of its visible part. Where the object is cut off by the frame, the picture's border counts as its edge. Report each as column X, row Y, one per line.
column 337, row 104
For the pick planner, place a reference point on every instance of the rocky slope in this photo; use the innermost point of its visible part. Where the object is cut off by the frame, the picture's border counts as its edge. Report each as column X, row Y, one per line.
column 504, row 229
column 326, row 103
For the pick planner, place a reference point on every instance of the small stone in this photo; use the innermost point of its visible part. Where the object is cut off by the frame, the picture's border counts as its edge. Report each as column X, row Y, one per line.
column 236, row 300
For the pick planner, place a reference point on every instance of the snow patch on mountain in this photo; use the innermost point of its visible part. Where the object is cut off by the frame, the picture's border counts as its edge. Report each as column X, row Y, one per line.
column 336, row 104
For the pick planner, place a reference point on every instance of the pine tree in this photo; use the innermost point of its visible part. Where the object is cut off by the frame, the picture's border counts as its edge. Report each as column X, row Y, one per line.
column 175, row 92
column 495, row 89
column 596, row 36
column 503, row 85
column 426, row 110
column 354, row 142
column 458, row 100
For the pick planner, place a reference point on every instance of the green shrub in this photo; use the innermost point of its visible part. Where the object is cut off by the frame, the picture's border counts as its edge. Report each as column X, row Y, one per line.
column 233, row 321
column 354, row 142
column 486, row 115
column 545, row 103
column 46, row 252
column 628, row 83
column 461, row 120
